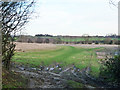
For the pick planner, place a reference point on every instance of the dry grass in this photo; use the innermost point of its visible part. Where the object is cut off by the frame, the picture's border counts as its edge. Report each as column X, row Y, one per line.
column 13, row 80
column 33, row 46
column 93, row 45
column 36, row 46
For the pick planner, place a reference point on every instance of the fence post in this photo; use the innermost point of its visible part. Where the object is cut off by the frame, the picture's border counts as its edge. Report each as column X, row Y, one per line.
column 118, row 24
column 0, row 52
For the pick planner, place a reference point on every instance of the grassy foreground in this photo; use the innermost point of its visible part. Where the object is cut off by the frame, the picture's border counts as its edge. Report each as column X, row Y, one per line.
column 64, row 55
column 13, row 80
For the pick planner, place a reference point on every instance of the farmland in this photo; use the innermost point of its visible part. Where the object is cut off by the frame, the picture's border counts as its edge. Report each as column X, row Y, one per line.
column 83, row 39
column 70, row 64
column 64, row 55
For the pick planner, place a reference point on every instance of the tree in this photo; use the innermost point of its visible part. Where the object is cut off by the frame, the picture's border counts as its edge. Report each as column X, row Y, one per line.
column 108, row 41
column 14, row 16
column 58, row 40
column 47, row 40
column 86, row 38
column 113, row 2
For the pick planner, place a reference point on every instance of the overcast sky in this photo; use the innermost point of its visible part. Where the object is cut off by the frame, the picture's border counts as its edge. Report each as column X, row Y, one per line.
column 74, row 17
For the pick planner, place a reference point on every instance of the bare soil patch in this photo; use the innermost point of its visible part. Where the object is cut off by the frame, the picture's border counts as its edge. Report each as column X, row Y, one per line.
column 33, row 46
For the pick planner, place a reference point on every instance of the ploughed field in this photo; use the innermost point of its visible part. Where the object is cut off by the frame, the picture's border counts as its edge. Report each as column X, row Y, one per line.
column 65, row 56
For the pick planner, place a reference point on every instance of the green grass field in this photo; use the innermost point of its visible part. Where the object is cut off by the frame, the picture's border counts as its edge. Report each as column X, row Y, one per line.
column 64, row 55
column 81, row 39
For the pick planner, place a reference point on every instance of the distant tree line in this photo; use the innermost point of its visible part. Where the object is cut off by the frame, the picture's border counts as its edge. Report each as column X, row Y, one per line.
column 40, row 38
column 43, row 35
column 37, row 39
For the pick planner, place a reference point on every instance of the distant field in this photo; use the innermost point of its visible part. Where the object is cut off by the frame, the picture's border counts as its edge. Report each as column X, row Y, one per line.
column 81, row 39
column 64, row 55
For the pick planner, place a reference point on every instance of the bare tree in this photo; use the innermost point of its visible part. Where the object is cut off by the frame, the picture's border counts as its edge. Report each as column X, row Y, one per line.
column 114, row 2
column 14, row 16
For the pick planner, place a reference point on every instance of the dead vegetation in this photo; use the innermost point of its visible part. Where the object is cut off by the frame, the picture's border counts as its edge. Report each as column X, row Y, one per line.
column 33, row 46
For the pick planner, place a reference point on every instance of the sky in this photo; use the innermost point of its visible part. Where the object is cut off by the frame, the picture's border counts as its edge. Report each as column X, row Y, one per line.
column 73, row 17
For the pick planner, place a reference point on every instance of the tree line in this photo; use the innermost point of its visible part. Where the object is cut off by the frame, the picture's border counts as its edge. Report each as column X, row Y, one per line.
column 69, row 39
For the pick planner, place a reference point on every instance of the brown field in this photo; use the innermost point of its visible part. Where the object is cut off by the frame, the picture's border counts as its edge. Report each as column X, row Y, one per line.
column 92, row 45
column 34, row 46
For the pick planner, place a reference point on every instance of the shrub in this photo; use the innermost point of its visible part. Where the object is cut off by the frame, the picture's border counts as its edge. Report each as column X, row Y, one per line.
column 110, row 70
